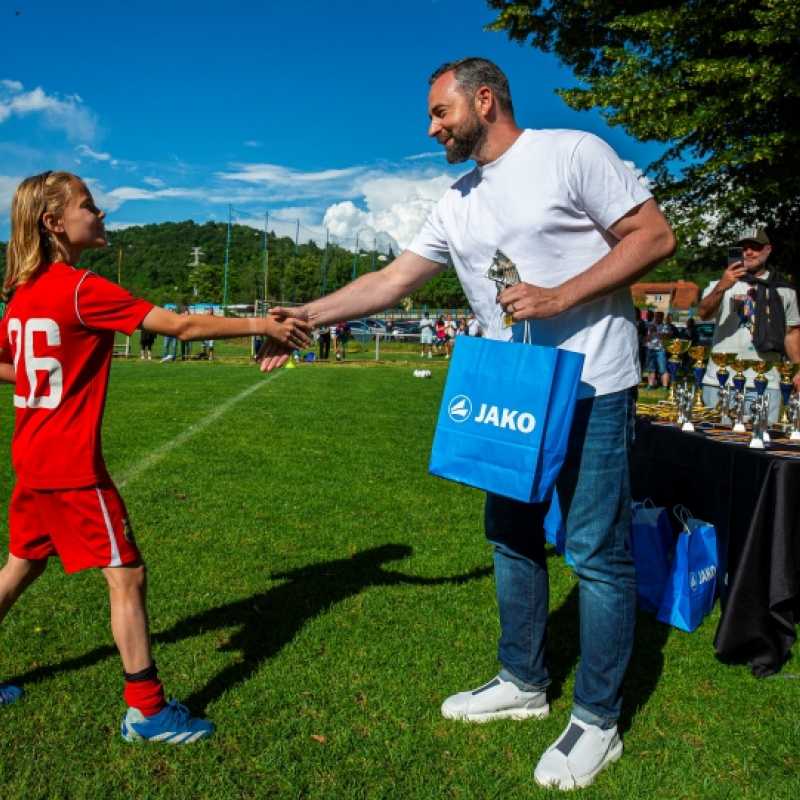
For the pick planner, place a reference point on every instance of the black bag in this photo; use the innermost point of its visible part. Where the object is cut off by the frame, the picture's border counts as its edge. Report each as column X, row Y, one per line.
column 769, row 326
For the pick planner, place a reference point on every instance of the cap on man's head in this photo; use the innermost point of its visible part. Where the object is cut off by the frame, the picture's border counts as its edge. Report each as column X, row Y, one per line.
column 756, row 235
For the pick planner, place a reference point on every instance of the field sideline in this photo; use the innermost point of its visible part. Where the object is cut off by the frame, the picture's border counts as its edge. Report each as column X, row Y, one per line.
column 317, row 594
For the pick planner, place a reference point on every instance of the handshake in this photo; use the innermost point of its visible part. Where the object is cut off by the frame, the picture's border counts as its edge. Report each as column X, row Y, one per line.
column 288, row 329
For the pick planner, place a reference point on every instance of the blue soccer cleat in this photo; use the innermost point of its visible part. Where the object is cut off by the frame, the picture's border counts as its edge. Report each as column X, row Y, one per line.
column 173, row 725
column 8, row 694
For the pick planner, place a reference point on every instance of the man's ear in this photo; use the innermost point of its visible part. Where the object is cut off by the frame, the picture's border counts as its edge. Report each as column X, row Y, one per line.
column 484, row 101
column 52, row 223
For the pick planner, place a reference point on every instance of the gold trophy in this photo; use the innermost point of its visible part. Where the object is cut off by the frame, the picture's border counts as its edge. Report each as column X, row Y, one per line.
column 676, row 348
column 700, row 356
column 787, row 371
column 760, row 381
column 504, row 274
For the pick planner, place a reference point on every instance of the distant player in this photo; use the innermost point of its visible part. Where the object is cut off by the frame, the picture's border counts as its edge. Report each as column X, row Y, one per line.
column 56, row 343
column 342, row 339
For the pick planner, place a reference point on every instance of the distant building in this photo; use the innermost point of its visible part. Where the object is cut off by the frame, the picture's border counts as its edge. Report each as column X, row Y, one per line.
column 676, row 297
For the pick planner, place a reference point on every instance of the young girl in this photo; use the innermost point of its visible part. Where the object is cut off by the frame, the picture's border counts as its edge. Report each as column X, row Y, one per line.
column 56, row 342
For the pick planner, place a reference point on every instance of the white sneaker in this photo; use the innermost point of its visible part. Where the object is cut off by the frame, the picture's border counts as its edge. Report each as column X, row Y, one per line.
column 498, row 699
column 578, row 756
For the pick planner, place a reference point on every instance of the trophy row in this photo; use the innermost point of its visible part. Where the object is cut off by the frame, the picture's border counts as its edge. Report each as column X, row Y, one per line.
column 730, row 407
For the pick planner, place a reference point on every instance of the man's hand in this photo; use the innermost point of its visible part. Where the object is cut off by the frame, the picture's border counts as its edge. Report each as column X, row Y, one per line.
column 281, row 313
column 732, row 275
column 290, row 332
column 526, row 301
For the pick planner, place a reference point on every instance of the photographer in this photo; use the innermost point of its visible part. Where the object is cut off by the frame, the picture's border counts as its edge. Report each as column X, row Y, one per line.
column 752, row 328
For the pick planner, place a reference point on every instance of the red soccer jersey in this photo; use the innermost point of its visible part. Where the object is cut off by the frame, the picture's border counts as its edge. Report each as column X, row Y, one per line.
column 60, row 328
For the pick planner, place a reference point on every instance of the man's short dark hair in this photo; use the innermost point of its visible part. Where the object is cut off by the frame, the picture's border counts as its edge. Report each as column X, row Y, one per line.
column 472, row 73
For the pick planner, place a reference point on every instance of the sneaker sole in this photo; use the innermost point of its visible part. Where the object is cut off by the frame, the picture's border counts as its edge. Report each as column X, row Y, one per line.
column 510, row 713
column 612, row 757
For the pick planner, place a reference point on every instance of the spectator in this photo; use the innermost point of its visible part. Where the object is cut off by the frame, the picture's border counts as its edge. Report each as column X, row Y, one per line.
column 449, row 335
column 207, row 345
column 146, row 342
column 342, row 339
column 473, row 326
column 186, row 347
column 439, row 333
column 425, row 335
column 170, row 343
column 656, row 358
column 776, row 331
column 324, row 339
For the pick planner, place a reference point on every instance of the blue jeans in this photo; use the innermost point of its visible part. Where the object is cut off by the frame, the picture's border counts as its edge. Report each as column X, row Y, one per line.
column 594, row 492
column 170, row 341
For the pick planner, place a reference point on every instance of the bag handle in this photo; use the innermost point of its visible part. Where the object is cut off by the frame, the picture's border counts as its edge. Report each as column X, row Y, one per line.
column 496, row 314
column 683, row 515
column 648, row 511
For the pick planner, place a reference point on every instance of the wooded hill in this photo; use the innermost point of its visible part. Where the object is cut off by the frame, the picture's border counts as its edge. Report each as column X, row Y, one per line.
column 154, row 262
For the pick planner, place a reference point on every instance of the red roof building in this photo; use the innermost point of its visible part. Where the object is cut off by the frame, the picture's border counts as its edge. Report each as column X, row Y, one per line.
column 675, row 296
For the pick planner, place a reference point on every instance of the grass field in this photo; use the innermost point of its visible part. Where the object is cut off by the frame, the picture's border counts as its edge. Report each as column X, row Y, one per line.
column 317, row 594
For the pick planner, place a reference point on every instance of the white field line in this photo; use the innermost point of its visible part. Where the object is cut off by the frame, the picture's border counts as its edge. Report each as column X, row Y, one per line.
column 135, row 470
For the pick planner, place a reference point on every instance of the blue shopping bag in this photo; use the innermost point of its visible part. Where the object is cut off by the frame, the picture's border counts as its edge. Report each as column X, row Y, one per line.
column 505, row 417
column 692, row 582
column 652, row 549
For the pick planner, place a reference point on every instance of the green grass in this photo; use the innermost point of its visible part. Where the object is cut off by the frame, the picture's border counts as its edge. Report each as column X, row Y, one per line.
column 317, row 594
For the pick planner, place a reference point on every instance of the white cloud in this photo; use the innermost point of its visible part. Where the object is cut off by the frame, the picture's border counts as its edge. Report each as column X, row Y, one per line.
column 283, row 176
column 87, row 152
column 396, row 205
column 67, row 114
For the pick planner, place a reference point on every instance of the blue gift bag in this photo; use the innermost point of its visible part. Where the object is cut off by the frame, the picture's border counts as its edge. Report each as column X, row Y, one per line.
column 652, row 548
column 505, row 417
column 692, row 582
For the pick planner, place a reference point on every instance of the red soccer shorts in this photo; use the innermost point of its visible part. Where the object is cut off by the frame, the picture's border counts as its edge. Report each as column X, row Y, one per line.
column 85, row 527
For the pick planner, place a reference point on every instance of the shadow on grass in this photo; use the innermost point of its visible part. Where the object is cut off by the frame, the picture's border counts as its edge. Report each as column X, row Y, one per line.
column 268, row 621
column 645, row 667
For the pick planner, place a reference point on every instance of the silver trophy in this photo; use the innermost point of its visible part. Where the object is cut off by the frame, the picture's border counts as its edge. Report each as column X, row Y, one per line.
column 504, row 274
column 759, row 409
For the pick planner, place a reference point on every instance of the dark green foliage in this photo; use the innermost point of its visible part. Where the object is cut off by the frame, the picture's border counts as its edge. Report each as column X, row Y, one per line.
column 715, row 81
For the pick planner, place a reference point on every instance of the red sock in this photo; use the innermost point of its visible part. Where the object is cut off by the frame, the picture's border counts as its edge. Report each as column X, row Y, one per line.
column 147, row 696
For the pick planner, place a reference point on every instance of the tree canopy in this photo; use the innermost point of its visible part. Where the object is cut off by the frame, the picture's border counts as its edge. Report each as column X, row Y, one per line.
column 716, row 81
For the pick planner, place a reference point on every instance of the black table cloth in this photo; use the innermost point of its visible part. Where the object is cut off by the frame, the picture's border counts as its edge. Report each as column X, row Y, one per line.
column 753, row 499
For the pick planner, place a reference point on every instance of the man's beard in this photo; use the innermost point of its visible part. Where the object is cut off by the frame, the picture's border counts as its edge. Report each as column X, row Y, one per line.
column 466, row 139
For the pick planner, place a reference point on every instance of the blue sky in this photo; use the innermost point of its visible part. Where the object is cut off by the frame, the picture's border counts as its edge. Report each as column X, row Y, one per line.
column 313, row 111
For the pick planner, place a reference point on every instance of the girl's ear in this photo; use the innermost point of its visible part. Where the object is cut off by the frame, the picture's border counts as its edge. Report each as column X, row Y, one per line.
column 52, row 223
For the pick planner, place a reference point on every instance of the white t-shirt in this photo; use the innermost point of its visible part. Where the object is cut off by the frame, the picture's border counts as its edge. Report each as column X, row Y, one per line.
column 547, row 203
column 732, row 336
column 473, row 327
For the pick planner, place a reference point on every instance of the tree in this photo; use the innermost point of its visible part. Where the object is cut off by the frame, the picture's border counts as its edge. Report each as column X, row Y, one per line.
column 716, row 81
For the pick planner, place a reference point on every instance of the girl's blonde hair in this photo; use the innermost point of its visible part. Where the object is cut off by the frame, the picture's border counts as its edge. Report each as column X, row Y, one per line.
column 31, row 244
